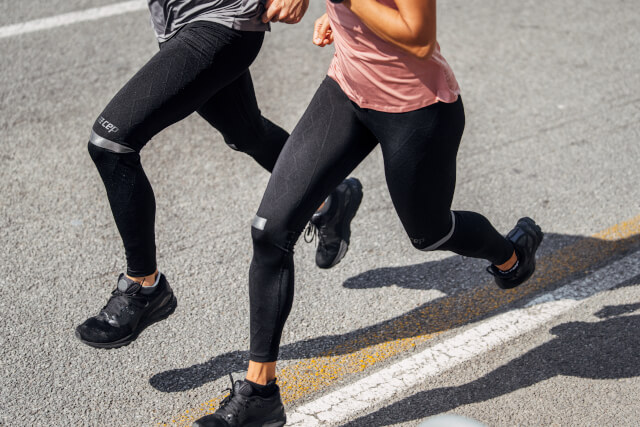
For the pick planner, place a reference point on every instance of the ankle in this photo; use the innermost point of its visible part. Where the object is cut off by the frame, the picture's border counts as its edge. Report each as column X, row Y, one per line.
column 267, row 390
column 149, row 280
column 261, row 373
column 509, row 264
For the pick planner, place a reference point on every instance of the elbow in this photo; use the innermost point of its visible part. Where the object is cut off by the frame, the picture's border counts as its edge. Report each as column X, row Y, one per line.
column 420, row 35
column 423, row 52
column 421, row 44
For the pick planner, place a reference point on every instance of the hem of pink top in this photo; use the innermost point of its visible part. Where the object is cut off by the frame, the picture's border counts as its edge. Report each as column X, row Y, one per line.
column 397, row 109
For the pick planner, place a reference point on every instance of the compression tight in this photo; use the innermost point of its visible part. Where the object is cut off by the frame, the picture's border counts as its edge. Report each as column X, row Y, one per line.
column 203, row 68
column 333, row 136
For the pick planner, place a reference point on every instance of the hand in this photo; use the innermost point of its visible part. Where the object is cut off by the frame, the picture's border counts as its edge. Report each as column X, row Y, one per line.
column 287, row 11
column 322, row 33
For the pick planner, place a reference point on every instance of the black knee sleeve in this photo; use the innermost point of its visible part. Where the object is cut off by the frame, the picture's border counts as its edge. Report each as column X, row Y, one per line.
column 271, row 236
column 119, row 172
column 436, row 237
column 109, row 135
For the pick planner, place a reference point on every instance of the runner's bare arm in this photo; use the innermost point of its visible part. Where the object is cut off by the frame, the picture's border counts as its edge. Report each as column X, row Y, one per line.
column 287, row 11
column 411, row 27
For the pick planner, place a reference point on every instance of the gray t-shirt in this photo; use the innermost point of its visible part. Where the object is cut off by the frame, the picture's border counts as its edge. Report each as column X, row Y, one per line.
column 168, row 16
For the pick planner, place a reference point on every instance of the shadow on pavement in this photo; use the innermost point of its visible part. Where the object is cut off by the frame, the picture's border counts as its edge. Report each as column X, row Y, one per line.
column 454, row 272
column 594, row 350
column 466, row 301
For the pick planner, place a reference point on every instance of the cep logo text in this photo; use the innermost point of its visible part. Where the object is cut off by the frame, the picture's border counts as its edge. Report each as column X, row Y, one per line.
column 108, row 125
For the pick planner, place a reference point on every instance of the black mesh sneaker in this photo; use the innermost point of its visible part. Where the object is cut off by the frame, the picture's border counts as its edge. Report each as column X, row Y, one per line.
column 332, row 222
column 526, row 237
column 127, row 313
column 242, row 408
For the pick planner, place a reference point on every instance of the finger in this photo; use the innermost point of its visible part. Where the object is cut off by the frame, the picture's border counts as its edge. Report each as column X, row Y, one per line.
column 286, row 16
column 291, row 20
column 317, row 36
column 329, row 39
column 273, row 9
column 323, row 26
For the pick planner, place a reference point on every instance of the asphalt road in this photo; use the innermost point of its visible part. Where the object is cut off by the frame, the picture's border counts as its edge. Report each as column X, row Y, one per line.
column 551, row 92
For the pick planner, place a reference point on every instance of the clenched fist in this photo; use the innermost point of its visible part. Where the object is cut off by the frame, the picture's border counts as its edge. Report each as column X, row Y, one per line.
column 287, row 11
column 322, row 34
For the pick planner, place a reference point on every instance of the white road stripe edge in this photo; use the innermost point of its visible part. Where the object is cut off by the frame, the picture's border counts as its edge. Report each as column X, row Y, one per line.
column 340, row 405
column 72, row 18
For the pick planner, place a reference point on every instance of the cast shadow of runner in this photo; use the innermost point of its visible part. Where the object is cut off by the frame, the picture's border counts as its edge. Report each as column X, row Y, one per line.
column 607, row 349
column 453, row 273
column 451, row 276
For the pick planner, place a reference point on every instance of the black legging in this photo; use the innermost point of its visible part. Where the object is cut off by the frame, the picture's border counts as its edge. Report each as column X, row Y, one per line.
column 333, row 136
column 205, row 67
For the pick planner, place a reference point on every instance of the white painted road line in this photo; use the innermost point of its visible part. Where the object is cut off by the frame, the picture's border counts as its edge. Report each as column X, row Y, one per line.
column 72, row 18
column 339, row 406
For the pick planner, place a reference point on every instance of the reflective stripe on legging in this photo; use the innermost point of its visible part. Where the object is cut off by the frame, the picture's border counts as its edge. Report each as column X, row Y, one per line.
column 115, row 147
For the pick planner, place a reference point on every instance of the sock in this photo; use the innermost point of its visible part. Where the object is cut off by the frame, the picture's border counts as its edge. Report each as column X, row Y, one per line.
column 324, row 207
column 264, row 390
column 148, row 290
column 511, row 270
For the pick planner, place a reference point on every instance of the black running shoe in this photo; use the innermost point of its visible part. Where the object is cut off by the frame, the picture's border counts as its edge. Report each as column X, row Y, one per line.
column 526, row 237
column 127, row 313
column 332, row 222
column 244, row 409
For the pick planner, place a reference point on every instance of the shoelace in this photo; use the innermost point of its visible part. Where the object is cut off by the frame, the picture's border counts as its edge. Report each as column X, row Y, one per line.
column 310, row 233
column 120, row 300
column 229, row 405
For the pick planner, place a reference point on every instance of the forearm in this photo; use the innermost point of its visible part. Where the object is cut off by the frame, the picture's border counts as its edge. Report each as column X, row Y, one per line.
column 411, row 27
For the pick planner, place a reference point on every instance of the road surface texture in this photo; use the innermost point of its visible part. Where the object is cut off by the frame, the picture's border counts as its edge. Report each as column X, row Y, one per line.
column 391, row 335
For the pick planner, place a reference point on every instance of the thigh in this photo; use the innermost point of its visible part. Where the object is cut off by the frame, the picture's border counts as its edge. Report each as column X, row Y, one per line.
column 419, row 150
column 233, row 110
column 187, row 71
column 325, row 146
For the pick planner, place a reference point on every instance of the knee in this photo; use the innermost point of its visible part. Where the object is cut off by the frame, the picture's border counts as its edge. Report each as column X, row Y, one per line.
column 117, row 169
column 104, row 150
column 263, row 141
column 95, row 152
column 246, row 141
column 247, row 137
column 270, row 238
column 100, row 156
column 234, row 144
column 436, row 236
column 118, row 138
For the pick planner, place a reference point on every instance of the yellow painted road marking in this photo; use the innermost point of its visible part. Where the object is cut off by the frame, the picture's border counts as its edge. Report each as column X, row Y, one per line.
column 418, row 326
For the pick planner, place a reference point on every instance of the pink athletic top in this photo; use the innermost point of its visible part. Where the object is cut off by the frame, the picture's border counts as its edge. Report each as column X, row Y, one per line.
column 375, row 74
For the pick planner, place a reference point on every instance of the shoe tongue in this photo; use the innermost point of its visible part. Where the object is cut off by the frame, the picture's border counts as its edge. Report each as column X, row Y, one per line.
column 243, row 388
column 126, row 285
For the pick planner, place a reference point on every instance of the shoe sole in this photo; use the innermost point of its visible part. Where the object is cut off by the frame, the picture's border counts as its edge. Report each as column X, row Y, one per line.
column 160, row 314
column 276, row 423
column 346, row 226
